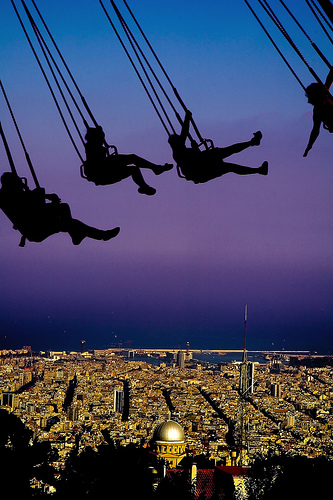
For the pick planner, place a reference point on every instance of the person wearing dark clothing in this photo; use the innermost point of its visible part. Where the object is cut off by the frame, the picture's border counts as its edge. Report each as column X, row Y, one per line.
column 319, row 96
column 102, row 168
column 36, row 219
column 202, row 166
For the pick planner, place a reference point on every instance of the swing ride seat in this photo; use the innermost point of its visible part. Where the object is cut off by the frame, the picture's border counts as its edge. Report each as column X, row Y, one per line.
column 35, row 236
column 179, row 172
column 34, row 227
column 84, row 176
column 115, row 150
column 208, row 145
column 145, row 71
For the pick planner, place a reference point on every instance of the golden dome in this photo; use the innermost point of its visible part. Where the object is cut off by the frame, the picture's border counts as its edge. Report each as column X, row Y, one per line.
column 168, row 432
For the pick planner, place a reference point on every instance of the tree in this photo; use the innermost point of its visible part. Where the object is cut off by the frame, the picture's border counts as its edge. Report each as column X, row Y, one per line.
column 109, row 469
column 21, row 458
column 283, row 476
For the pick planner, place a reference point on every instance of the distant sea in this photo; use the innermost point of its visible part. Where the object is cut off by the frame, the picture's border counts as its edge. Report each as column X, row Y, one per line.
column 209, row 358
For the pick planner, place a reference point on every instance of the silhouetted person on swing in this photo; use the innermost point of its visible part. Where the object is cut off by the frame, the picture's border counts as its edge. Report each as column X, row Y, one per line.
column 102, row 168
column 318, row 95
column 36, row 219
column 202, row 166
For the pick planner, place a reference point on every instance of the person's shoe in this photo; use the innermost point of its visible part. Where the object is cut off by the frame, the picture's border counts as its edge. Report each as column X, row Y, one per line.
column 159, row 169
column 263, row 170
column 257, row 136
column 150, row 191
column 77, row 238
column 110, row 233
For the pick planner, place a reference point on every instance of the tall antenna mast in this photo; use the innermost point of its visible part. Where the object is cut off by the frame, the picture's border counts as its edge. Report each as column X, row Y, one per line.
column 245, row 321
column 245, row 383
column 245, row 318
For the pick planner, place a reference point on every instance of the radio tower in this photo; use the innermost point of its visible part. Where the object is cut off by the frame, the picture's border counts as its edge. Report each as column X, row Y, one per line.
column 243, row 379
column 246, row 378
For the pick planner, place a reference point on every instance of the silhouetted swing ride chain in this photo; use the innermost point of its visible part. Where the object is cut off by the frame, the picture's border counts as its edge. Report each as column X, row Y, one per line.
column 145, row 66
column 44, row 49
column 70, row 75
column 201, row 139
column 327, row 7
column 275, row 19
column 321, row 55
column 35, row 219
column 143, row 60
column 53, row 66
column 264, row 4
column 8, row 153
column 135, row 68
column 44, row 73
column 84, row 102
column 9, row 156
column 316, row 12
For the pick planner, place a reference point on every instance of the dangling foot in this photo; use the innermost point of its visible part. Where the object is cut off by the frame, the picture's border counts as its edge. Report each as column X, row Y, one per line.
column 90, row 232
column 110, row 233
column 159, row 169
column 263, row 170
column 77, row 237
column 150, row 191
column 257, row 136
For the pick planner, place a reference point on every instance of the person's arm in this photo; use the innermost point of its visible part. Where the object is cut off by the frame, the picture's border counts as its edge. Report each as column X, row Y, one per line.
column 314, row 133
column 40, row 196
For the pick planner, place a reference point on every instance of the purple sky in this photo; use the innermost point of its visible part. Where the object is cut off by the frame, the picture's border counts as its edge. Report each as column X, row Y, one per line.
column 188, row 259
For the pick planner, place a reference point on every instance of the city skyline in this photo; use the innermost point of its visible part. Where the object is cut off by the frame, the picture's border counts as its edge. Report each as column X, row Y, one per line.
column 288, row 407
column 190, row 257
column 182, row 411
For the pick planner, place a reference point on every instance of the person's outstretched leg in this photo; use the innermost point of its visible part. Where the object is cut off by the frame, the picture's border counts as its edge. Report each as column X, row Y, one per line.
column 142, row 163
column 240, row 146
column 137, row 177
column 242, row 170
column 78, row 231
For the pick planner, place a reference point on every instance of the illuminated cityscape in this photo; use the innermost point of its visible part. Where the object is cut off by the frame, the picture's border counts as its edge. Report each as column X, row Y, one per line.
column 61, row 394
column 175, row 403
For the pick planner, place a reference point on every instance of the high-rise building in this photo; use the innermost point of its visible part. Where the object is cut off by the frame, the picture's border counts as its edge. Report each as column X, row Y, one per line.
column 7, row 399
column 181, row 359
column 246, row 379
column 290, row 421
column 276, row 390
column 73, row 413
column 171, row 358
column 118, row 400
column 83, row 344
